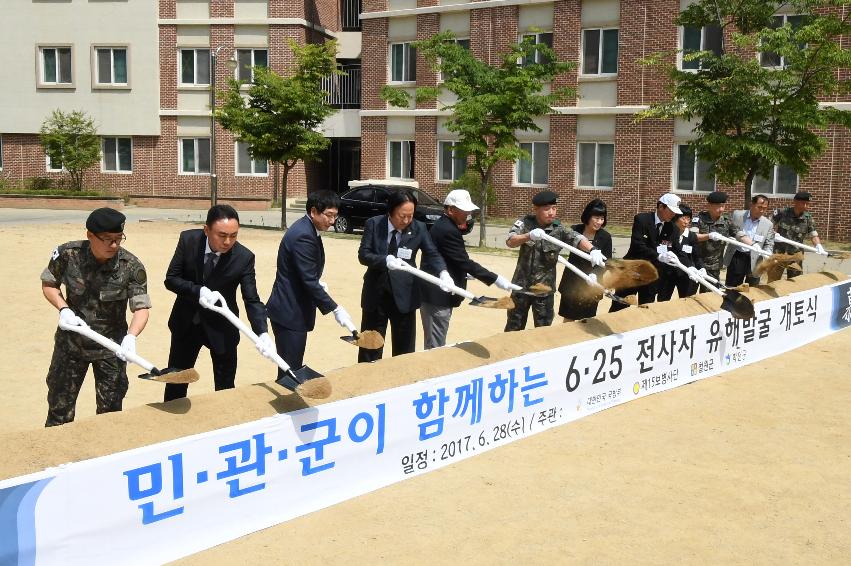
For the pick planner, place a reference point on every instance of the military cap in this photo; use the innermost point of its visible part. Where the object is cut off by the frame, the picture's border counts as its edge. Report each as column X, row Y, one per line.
column 105, row 220
column 544, row 198
column 803, row 195
column 716, row 197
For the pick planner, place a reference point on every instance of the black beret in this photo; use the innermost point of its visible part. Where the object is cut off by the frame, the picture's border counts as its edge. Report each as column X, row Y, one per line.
column 105, row 220
column 716, row 197
column 544, row 198
column 803, row 195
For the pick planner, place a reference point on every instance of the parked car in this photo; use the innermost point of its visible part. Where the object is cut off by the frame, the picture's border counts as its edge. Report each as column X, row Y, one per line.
column 366, row 199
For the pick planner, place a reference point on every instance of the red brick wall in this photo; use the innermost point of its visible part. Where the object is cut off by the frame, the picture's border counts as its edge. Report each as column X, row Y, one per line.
column 168, row 66
column 373, row 147
column 425, row 169
column 221, row 8
column 374, row 63
column 428, row 25
column 168, row 9
column 646, row 27
column 566, row 42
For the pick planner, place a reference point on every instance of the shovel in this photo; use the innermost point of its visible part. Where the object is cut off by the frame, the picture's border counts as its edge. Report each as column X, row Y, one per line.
column 835, row 254
column 167, row 375
column 734, row 302
column 631, row 301
column 367, row 339
column 771, row 261
column 487, row 302
column 308, row 382
column 744, row 288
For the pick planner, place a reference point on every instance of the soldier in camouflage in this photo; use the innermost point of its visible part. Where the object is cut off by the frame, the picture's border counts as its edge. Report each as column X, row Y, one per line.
column 538, row 259
column 100, row 279
column 707, row 222
column 795, row 223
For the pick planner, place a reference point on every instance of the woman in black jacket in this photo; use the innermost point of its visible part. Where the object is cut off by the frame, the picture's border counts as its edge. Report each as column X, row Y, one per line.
column 578, row 299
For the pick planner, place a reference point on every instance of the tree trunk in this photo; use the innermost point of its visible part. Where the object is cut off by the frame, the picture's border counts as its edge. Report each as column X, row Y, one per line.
column 749, row 188
column 483, row 214
column 284, row 176
column 275, row 183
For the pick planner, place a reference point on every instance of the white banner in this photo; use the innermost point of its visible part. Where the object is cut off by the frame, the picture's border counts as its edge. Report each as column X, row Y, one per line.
column 161, row 502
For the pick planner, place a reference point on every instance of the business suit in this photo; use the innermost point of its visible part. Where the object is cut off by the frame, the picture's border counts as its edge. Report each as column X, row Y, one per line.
column 296, row 293
column 674, row 278
column 643, row 244
column 192, row 326
column 742, row 264
column 393, row 296
column 436, row 305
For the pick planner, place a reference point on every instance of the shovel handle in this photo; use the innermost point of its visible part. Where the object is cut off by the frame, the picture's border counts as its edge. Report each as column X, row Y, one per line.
column 403, row 266
column 108, row 344
column 241, row 326
column 779, row 238
column 745, row 246
column 702, row 280
column 584, row 276
column 584, row 255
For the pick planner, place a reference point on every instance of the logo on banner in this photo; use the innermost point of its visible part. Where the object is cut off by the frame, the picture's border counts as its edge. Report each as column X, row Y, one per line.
column 841, row 306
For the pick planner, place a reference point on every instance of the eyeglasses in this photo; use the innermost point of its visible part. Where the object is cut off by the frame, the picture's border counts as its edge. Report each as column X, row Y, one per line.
column 330, row 215
column 111, row 241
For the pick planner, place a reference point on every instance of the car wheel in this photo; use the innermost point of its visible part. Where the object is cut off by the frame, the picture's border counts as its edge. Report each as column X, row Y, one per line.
column 343, row 224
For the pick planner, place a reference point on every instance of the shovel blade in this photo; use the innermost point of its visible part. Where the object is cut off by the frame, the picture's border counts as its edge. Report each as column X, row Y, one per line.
column 172, row 375
column 368, row 340
column 738, row 305
column 491, row 303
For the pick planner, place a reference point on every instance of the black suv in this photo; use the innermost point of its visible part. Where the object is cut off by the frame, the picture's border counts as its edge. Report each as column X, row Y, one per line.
column 368, row 200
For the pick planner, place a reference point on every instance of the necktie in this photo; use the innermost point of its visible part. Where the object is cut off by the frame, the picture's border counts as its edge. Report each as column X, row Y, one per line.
column 393, row 245
column 209, row 264
column 659, row 229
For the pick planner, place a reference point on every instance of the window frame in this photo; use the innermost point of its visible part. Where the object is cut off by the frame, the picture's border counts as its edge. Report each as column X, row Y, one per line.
column 118, row 169
column 253, row 51
column 406, row 60
column 254, row 173
column 39, row 63
column 774, row 177
column 195, row 50
column 597, row 143
column 196, row 173
column 48, row 165
column 411, row 157
column 681, row 52
column 537, row 35
column 782, row 63
column 455, row 160
column 95, row 67
column 600, row 73
column 675, row 176
column 531, row 183
column 456, row 41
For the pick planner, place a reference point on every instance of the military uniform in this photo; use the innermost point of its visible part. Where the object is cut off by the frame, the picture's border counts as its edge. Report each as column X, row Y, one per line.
column 712, row 252
column 795, row 228
column 536, row 263
column 98, row 293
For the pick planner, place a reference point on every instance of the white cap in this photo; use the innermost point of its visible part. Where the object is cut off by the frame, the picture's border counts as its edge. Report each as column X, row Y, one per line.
column 672, row 201
column 460, row 199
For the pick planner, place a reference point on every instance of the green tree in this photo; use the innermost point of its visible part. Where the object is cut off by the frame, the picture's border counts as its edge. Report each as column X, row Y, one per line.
column 491, row 103
column 757, row 103
column 280, row 117
column 72, row 140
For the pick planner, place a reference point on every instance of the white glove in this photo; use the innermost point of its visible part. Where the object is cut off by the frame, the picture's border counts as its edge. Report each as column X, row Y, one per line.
column 392, row 262
column 128, row 345
column 324, row 285
column 343, row 319
column 703, row 273
column 597, row 258
column 506, row 285
column 536, row 234
column 668, row 258
column 448, row 282
column 266, row 346
column 68, row 318
column 206, row 295
column 715, row 236
column 693, row 274
column 820, row 250
column 592, row 279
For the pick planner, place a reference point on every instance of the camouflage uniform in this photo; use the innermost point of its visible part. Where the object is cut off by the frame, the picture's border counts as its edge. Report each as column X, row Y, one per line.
column 795, row 228
column 99, row 294
column 536, row 263
column 710, row 251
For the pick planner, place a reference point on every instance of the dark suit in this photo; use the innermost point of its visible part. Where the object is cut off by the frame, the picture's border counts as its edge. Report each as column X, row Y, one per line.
column 192, row 326
column 393, row 296
column 643, row 245
column 296, row 293
column 673, row 277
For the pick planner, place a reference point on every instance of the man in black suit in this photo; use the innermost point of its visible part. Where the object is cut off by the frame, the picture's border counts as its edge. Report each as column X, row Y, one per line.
column 205, row 262
column 297, row 291
column 656, row 239
column 688, row 254
column 394, row 295
column 447, row 235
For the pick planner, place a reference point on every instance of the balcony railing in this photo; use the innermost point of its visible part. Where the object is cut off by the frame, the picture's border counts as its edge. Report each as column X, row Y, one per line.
column 343, row 90
column 350, row 14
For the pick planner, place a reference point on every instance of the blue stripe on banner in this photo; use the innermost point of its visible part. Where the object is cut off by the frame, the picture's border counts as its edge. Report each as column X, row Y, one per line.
column 841, row 306
column 17, row 522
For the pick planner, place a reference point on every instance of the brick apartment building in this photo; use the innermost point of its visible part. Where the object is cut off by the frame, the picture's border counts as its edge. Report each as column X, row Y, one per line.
column 142, row 70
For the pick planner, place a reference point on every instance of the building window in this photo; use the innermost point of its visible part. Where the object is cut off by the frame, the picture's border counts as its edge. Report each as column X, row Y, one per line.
column 111, row 66
column 782, row 181
column 56, row 66
column 536, row 170
column 450, row 167
column 693, row 174
column 537, row 39
column 596, row 164
column 194, row 66
column 403, row 63
column 117, row 155
column 708, row 38
column 771, row 59
column 195, row 156
column 401, row 159
column 600, row 51
column 245, row 165
column 247, row 59
column 465, row 43
column 53, row 164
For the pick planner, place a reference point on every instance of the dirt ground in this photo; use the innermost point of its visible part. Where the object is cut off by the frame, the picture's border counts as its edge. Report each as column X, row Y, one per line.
column 748, row 467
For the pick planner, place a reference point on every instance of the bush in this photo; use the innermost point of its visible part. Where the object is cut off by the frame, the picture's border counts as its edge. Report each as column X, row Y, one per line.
column 39, row 183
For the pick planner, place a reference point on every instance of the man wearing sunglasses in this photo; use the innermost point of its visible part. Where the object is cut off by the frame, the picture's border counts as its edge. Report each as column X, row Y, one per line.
column 101, row 280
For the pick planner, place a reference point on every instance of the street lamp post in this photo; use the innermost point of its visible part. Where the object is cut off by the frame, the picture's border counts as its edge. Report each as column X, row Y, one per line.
column 214, row 180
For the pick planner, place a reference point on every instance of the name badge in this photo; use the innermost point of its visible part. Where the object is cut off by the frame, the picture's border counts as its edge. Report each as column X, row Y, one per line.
column 661, row 248
column 758, row 238
column 404, row 253
column 686, row 248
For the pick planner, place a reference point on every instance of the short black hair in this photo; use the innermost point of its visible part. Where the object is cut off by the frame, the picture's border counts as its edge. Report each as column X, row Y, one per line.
column 687, row 211
column 320, row 200
column 594, row 208
column 397, row 198
column 756, row 198
column 221, row 212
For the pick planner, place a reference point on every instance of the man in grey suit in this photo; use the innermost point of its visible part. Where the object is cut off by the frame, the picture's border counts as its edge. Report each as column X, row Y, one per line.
column 753, row 228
